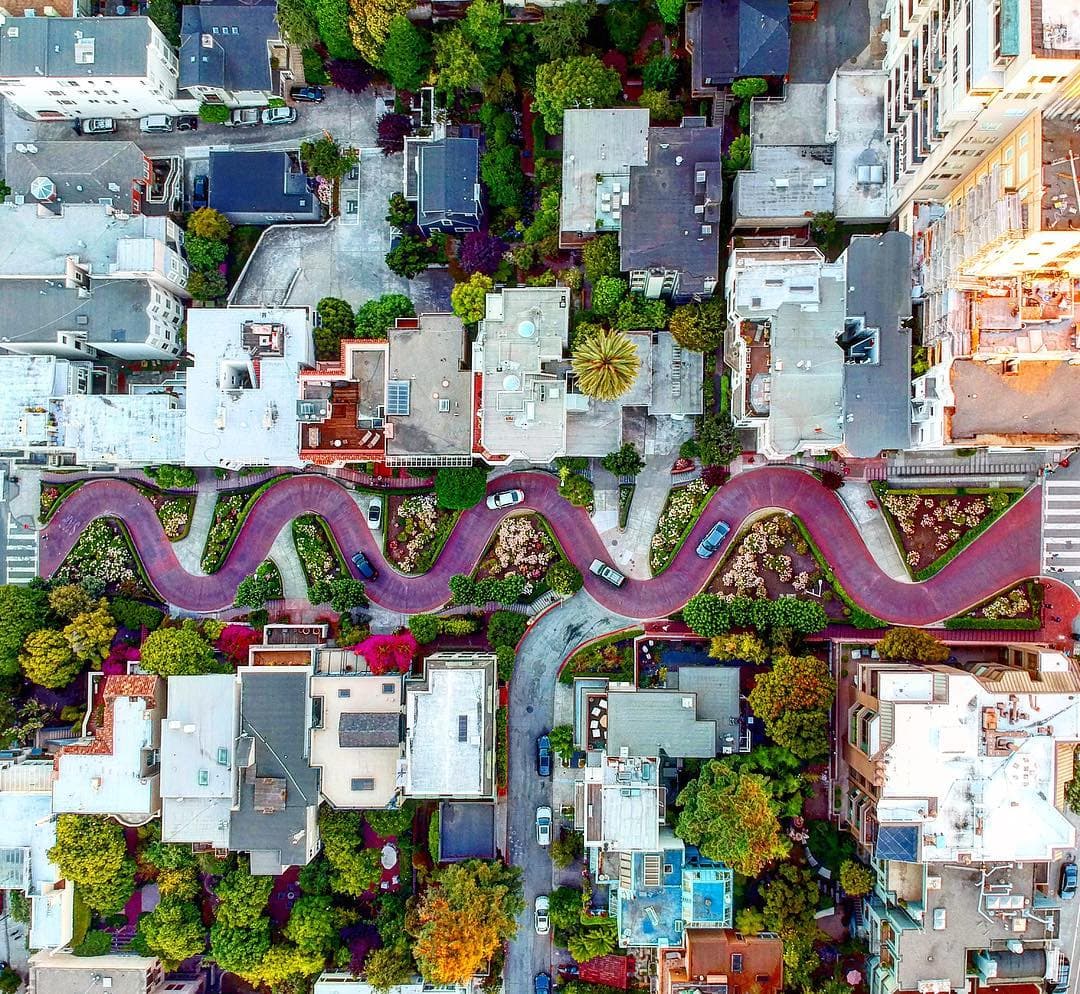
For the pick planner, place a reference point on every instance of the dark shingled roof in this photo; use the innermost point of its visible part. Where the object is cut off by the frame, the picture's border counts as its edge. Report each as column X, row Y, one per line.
column 260, row 188
column 448, row 178
column 742, row 38
column 357, row 731
column 236, row 57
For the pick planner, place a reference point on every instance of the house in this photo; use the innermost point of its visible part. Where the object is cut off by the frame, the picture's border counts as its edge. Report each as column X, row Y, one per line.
column 276, row 817
column 241, row 390
column 599, row 147
column 27, row 833
column 225, row 53
column 620, row 805
column 654, row 723
column 670, row 237
column 819, row 150
column 820, row 352
column 61, row 972
column 264, row 187
column 731, row 39
column 113, row 769
column 450, row 728
column 720, row 961
column 442, row 177
column 199, row 779
column 62, row 68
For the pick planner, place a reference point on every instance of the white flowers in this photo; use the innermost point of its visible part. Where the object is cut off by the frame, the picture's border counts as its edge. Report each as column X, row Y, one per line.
column 419, row 521
column 683, row 505
column 522, row 547
column 100, row 552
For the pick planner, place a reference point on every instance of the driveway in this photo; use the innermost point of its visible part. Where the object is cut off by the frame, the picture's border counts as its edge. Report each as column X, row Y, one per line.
column 531, row 709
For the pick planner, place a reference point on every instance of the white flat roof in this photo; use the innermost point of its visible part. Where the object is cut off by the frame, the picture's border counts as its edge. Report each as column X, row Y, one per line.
column 139, row 429
column 27, row 382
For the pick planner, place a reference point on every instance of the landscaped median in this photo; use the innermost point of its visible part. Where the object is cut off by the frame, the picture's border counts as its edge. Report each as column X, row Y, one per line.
column 1016, row 609
column 230, row 513
column 104, row 553
column 684, row 505
column 416, row 531
column 611, row 656
column 319, row 555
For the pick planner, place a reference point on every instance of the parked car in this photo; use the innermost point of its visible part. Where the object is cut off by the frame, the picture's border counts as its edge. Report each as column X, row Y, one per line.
column 540, row 915
column 200, row 191
column 374, row 513
column 1062, row 984
column 279, row 115
column 157, row 123
column 364, row 567
column 243, row 117
column 608, row 573
column 542, row 984
column 95, row 126
column 189, row 122
column 308, row 94
column 505, row 498
column 543, row 826
column 543, row 756
column 711, row 542
column 1067, row 882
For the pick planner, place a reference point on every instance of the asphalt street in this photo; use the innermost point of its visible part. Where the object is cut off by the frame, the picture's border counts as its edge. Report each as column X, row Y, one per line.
column 532, row 695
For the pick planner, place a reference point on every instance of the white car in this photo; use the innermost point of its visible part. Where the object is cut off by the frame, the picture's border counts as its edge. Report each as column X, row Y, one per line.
column 279, row 115
column 505, row 498
column 543, row 826
column 374, row 513
column 540, row 915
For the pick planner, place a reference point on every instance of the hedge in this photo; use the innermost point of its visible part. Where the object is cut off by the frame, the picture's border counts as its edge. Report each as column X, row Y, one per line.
column 500, row 748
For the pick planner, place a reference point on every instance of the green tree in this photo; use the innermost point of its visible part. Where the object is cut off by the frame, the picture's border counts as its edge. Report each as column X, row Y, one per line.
column 400, row 213
column 388, row 967
column 47, row 659
column 600, row 256
column 468, row 299
column 745, row 648
column 370, row 21
column 460, row 487
column 608, row 293
column 562, row 741
column 791, row 898
column 661, row 106
column 576, row 81
column 213, row 113
column 670, row 10
column 506, row 628
column 660, row 73
column 410, row 256
column 636, row 312
column 505, row 658
column 259, row 587
column 297, row 22
column 718, row 440
column 95, row 943
column 134, row 615
column 699, row 326
column 458, row 65
column 794, row 699
column 425, row 628
column 91, row 634
column 177, row 652
column 485, row 26
column 10, row 981
column 545, row 222
column 406, row 56
column 205, row 253
column 173, row 930
column 91, row 854
column 624, row 461
column 208, row 285
column 342, row 593
column 238, row 949
column 500, row 170
column 70, row 599
column 312, row 925
column 23, row 609
column 563, row 29
column 375, row 318
column 598, row 937
column 387, row 822
column 242, row 897
column 606, row 365
column 626, row 22
column 325, row 158
column 731, row 817
column 738, row 156
column 209, row 223
column 336, row 321
column 566, row 849
column 748, row 87
column 285, row 966
column 912, row 645
column 823, row 227
column 354, row 868
column 166, row 15
column 332, row 17
column 856, row 879
column 563, row 578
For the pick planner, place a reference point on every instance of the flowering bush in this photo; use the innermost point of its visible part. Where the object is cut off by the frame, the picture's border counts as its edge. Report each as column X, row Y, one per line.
column 384, row 653
column 50, row 496
column 235, row 640
column 174, row 516
column 100, row 552
column 683, row 506
column 316, row 554
column 223, row 526
column 521, row 547
column 420, row 526
column 931, row 524
column 1011, row 605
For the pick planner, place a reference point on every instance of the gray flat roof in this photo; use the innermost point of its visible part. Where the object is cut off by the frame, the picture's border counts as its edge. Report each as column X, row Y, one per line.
column 650, row 721
column 84, row 172
column 877, row 398
column 35, row 310
column 466, row 831
column 138, row 429
column 717, row 691
column 28, row 381
column 676, row 377
column 798, row 119
column 46, row 46
column 785, row 182
column 64, row 973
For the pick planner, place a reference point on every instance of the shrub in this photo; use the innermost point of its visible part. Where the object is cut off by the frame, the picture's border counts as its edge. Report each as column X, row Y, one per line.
column 393, row 129
column 209, row 223
column 505, row 658
column 214, row 113
column 172, row 477
column 350, row 75
column 481, row 253
column 208, row 285
column 751, row 86
column 135, row 615
column 314, row 72
column 563, row 578
column 96, row 943
column 576, row 489
column 506, row 628
column 459, row 488
column 424, row 627
column 386, row 653
column 856, row 879
column 660, row 73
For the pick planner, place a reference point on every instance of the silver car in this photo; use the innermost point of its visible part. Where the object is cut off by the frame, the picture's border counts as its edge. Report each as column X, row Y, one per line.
column 505, row 498
column 607, row 573
column 543, row 826
column 540, row 915
column 279, row 115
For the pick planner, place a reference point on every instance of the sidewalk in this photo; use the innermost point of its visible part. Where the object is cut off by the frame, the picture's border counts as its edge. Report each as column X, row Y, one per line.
column 856, row 496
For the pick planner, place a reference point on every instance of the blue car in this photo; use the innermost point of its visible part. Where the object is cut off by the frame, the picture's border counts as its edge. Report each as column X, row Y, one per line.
column 309, row 94
column 200, row 191
column 542, row 984
column 1067, row 882
column 711, row 542
column 364, row 567
column 543, row 756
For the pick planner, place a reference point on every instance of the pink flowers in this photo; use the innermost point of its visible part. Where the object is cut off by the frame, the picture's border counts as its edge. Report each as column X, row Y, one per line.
column 386, row 653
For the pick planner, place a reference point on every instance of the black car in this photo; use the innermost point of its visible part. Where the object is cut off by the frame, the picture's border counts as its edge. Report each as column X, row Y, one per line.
column 364, row 567
column 308, row 94
column 200, row 191
column 543, row 756
column 189, row 122
column 1067, row 882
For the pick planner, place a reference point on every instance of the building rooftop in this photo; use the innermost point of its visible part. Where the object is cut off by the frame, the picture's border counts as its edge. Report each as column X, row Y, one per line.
column 735, row 38
column 75, row 47
column 785, row 182
column 346, row 983
column 716, row 690
column 448, row 180
column 661, row 227
column 798, row 119
column 262, row 187
column 135, row 429
column 27, row 383
column 708, row 964
column 224, row 45
column 651, row 722
column 675, row 375
column 620, row 805
column 56, row 972
column 855, row 114
column 599, row 147
column 969, row 775
column 83, row 172
column 276, row 820
column 356, row 739
column 450, row 727
column 466, row 831
column 113, row 770
column 241, row 397
column 429, row 354
column 198, row 758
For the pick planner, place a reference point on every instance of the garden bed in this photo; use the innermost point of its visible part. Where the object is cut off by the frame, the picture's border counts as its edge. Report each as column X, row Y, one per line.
column 931, row 527
column 230, row 513
column 681, row 511
column 416, row 531
column 174, row 511
column 104, row 552
column 52, row 496
column 1018, row 608
column 319, row 555
column 523, row 545
column 626, row 499
column 611, row 657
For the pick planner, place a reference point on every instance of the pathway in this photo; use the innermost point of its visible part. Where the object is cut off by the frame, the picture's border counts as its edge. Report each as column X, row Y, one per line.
column 975, row 574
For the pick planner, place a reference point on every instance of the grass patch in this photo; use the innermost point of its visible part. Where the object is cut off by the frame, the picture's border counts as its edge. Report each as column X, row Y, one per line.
column 858, row 617
column 626, row 499
column 611, row 656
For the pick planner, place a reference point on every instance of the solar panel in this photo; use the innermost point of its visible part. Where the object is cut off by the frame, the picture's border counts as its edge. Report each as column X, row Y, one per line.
column 397, row 397
column 463, row 728
column 898, row 842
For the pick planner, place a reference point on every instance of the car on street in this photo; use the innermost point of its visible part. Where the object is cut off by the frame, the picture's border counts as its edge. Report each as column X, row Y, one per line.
column 1067, row 882
column 505, row 498
column 543, row 756
column 713, row 540
column 540, row 915
column 279, row 115
column 200, row 191
column 157, row 123
column 364, row 567
column 543, row 826
column 607, row 573
column 308, row 94
column 189, row 122
column 1061, row 986
column 374, row 513
column 95, row 126
column 243, row 117
column 542, row 984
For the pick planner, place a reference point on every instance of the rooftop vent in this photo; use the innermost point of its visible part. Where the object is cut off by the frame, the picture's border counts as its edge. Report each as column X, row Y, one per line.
column 84, row 52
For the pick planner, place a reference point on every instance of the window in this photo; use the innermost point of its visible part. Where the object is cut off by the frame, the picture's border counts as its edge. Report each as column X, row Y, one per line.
column 223, row 756
column 344, row 692
column 204, row 778
column 363, row 783
column 389, row 688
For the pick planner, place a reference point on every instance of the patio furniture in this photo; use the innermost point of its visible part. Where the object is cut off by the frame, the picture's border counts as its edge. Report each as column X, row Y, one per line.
column 603, row 703
column 856, row 653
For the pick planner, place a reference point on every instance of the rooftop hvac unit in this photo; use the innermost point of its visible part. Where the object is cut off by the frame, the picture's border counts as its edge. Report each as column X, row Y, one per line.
column 781, row 182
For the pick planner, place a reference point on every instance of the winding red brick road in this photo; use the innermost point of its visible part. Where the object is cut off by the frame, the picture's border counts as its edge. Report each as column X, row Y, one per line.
column 1006, row 553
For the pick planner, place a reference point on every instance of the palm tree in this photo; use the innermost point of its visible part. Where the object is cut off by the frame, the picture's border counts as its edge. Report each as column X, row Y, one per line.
column 606, row 364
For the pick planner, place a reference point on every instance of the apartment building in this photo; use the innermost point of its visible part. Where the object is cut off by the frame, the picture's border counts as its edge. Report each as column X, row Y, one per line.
column 963, row 73
column 61, row 68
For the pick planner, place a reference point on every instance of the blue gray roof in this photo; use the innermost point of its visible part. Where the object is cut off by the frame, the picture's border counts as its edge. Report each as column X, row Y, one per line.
column 260, row 188
column 74, row 46
column 224, row 45
column 899, row 842
column 743, row 38
column 448, row 180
